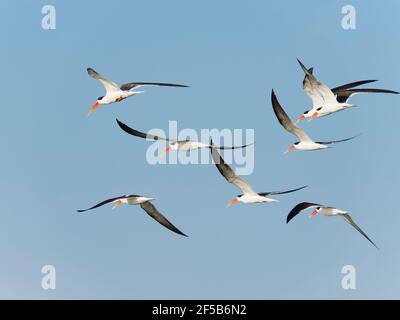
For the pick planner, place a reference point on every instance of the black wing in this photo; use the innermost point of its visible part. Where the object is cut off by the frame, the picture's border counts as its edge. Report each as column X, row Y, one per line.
column 348, row 218
column 280, row 192
column 156, row 215
column 234, row 147
column 131, row 85
column 337, row 141
column 103, row 203
column 136, row 133
column 352, row 85
column 343, row 96
column 300, row 207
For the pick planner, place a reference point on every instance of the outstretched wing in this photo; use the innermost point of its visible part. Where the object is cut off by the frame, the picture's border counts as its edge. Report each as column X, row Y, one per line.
column 233, row 147
column 227, row 172
column 108, row 84
column 299, row 208
column 344, row 95
column 337, row 141
column 280, row 192
column 139, row 134
column 351, row 85
column 285, row 121
column 132, row 85
column 156, row 215
column 103, row 203
column 348, row 218
column 319, row 93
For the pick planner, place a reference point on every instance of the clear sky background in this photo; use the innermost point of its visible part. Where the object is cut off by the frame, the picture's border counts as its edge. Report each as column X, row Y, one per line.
column 55, row 160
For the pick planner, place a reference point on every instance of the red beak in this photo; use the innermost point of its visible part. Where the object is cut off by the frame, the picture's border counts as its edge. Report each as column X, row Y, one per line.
column 168, row 149
column 313, row 213
column 117, row 203
column 291, row 148
column 232, row 202
column 315, row 114
column 94, row 107
column 301, row 118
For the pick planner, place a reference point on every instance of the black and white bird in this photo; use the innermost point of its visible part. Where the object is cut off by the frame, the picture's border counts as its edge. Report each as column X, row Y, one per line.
column 178, row 145
column 249, row 195
column 145, row 204
column 326, row 211
column 305, row 143
column 327, row 101
column 116, row 93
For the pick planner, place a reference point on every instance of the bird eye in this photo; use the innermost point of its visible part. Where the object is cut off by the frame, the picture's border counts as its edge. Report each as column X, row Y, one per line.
column 99, row 98
column 318, row 208
column 296, row 143
column 319, row 108
column 305, row 112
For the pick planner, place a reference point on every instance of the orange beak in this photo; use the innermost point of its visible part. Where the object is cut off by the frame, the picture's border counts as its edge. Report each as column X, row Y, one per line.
column 301, row 118
column 291, row 148
column 168, row 149
column 232, row 202
column 313, row 213
column 117, row 203
column 315, row 114
column 94, row 107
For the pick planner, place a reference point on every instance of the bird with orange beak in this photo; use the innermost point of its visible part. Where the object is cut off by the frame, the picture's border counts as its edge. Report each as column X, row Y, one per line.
column 249, row 195
column 175, row 145
column 116, row 93
column 145, row 203
column 327, row 101
column 305, row 143
column 326, row 211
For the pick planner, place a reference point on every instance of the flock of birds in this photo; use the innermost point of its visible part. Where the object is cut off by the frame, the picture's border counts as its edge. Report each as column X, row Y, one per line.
column 325, row 102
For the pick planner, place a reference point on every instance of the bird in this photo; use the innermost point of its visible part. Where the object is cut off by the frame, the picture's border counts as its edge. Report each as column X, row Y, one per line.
column 178, row 145
column 145, row 204
column 326, row 211
column 249, row 195
column 116, row 93
column 327, row 101
column 305, row 143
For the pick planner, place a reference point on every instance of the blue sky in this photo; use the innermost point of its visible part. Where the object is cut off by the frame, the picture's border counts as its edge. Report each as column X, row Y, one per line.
column 56, row 160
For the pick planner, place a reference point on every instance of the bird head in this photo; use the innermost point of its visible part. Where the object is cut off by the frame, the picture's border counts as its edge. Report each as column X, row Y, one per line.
column 306, row 114
column 292, row 147
column 98, row 102
column 315, row 114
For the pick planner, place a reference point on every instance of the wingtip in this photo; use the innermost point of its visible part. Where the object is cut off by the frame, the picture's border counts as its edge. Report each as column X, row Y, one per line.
column 303, row 67
column 273, row 95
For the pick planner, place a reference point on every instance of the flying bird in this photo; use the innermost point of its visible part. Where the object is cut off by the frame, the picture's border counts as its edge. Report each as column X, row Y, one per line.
column 326, row 211
column 178, row 145
column 305, row 143
column 145, row 204
column 116, row 93
column 249, row 195
column 327, row 101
